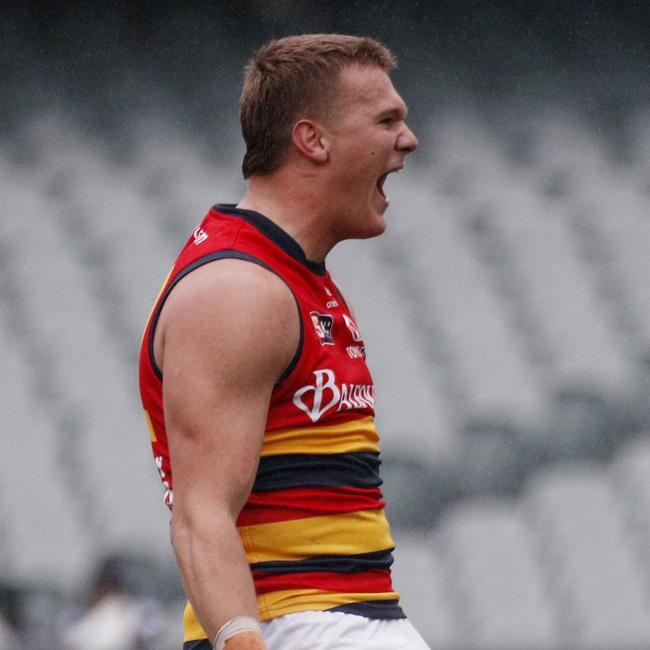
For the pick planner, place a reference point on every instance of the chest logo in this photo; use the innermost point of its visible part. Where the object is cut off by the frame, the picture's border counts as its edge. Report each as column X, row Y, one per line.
column 324, row 390
column 318, row 398
column 323, row 324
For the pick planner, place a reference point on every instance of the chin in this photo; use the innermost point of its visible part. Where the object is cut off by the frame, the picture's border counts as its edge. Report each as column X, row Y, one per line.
column 378, row 224
column 372, row 229
column 367, row 223
column 379, row 230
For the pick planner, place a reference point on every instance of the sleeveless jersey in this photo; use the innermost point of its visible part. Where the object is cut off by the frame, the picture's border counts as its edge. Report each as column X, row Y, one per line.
column 313, row 528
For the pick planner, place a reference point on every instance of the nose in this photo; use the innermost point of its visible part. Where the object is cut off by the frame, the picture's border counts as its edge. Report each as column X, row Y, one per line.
column 407, row 141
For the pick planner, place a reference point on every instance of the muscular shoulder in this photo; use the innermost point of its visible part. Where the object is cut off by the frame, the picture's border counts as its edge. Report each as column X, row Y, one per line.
column 232, row 309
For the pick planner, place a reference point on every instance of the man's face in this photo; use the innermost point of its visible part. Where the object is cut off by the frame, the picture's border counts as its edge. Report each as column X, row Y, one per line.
column 368, row 139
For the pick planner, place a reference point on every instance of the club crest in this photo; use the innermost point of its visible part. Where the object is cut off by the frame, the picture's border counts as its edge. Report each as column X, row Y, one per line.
column 323, row 324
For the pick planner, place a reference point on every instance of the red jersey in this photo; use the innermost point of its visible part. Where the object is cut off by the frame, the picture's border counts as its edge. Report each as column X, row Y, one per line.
column 313, row 528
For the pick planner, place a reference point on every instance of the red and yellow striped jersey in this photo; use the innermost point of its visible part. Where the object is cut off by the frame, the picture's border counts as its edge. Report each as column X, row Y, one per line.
column 314, row 527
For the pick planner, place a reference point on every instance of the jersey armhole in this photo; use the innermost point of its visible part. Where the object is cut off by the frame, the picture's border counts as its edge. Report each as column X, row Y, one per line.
column 220, row 255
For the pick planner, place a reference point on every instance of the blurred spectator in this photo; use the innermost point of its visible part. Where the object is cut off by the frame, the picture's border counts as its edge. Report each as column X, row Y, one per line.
column 118, row 614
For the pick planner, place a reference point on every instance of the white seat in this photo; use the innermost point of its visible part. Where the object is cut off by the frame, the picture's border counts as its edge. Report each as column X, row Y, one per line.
column 472, row 323
column 418, row 575
column 595, row 570
column 490, row 562
column 44, row 534
column 630, row 471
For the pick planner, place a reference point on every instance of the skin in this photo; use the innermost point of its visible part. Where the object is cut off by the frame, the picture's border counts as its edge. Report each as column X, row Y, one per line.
column 327, row 189
column 229, row 329
column 216, row 392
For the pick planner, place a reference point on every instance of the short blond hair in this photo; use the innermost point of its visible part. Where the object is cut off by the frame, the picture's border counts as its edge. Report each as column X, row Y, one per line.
column 289, row 78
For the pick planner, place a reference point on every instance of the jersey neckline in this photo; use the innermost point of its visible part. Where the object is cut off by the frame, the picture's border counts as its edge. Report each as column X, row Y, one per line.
column 276, row 234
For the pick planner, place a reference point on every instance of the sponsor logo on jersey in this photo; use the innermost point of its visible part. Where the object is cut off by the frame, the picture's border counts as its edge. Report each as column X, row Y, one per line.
column 325, row 394
column 352, row 326
column 323, row 324
column 199, row 236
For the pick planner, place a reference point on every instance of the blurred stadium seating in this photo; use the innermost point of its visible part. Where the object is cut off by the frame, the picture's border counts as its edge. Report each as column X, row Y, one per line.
column 507, row 319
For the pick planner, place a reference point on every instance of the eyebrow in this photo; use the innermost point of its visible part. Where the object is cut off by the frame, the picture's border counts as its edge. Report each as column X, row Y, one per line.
column 397, row 112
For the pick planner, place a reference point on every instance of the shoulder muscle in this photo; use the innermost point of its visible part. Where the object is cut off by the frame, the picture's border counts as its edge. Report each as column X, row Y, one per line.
column 234, row 312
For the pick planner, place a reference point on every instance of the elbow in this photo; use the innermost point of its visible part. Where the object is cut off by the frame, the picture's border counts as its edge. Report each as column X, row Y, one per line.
column 179, row 531
column 187, row 528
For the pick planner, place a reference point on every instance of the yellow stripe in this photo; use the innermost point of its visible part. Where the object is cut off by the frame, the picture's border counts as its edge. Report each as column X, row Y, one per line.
column 193, row 631
column 152, row 433
column 279, row 603
column 349, row 534
column 348, row 437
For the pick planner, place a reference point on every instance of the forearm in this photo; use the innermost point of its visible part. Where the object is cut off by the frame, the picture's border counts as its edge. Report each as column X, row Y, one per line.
column 216, row 574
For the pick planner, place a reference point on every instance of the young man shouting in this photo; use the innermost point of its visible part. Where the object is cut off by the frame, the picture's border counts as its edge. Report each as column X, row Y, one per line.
column 253, row 372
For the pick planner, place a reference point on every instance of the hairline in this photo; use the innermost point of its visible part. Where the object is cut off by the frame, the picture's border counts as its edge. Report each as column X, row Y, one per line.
column 336, row 91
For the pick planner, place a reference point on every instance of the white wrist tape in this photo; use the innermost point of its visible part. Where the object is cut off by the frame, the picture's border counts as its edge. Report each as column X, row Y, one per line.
column 233, row 627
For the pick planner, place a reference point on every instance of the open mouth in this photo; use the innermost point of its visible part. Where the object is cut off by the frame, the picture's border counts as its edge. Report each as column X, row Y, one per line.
column 380, row 184
column 382, row 179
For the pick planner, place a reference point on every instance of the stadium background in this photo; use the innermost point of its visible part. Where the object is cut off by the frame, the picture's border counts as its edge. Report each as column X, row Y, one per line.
column 506, row 311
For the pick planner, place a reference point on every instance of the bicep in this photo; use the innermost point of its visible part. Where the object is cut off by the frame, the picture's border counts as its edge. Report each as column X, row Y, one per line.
column 229, row 332
column 215, row 433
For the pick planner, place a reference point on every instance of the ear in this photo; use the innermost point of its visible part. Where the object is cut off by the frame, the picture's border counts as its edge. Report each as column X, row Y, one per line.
column 307, row 137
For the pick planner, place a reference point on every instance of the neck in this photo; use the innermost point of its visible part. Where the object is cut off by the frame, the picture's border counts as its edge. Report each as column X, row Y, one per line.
column 290, row 203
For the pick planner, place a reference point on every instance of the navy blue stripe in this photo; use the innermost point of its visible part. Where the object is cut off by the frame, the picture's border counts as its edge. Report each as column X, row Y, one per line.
column 279, row 237
column 332, row 563
column 359, row 470
column 203, row 644
column 375, row 609
column 221, row 255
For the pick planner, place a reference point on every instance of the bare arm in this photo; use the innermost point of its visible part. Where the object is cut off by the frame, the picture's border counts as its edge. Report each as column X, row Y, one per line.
column 226, row 334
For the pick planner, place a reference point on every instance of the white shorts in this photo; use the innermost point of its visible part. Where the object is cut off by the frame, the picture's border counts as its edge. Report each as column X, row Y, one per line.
column 340, row 631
